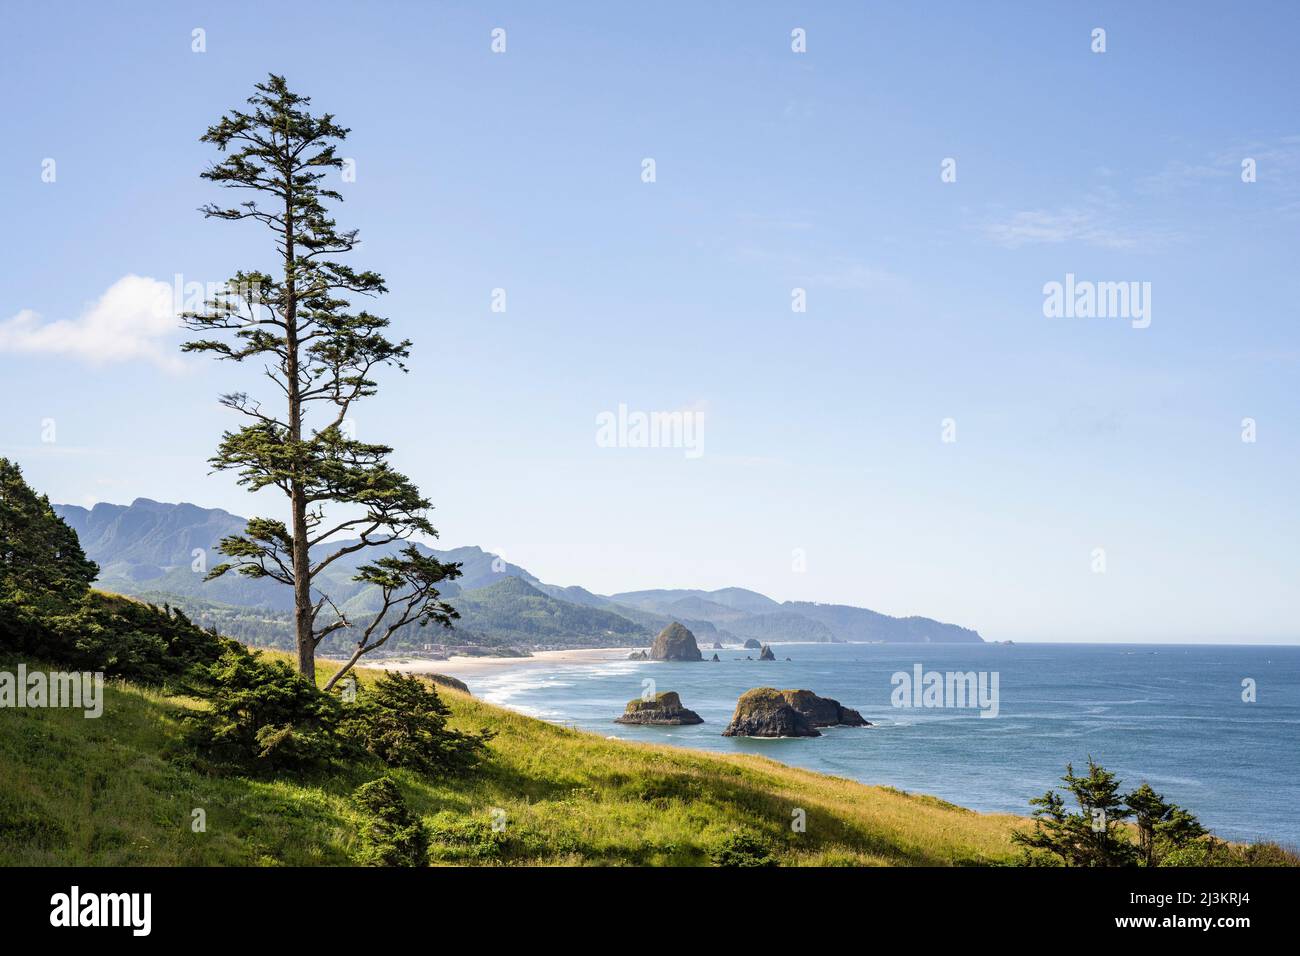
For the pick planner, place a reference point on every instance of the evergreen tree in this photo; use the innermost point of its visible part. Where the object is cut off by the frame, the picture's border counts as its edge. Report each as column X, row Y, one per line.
column 43, row 570
column 390, row 834
column 263, row 716
column 402, row 721
column 320, row 351
column 39, row 553
column 1162, row 826
column 1090, row 837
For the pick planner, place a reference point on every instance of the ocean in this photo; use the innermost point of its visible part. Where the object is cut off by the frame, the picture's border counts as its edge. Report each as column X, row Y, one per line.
column 1170, row 715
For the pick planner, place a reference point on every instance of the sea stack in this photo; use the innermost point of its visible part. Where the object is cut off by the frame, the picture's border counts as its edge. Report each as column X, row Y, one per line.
column 764, row 712
column 823, row 711
column 767, row 654
column 768, row 712
column 665, row 708
column 752, row 645
column 675, row 643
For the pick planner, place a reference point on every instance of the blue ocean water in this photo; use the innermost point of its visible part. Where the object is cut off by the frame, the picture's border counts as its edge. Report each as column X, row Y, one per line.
column 1172, row 715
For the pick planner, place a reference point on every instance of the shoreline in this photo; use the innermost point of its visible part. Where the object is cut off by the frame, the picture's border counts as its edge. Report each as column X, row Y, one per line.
column 512, row 684
column 460, row 666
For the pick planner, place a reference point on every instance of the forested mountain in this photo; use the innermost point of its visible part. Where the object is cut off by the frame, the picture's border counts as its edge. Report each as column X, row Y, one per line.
column 162, row 552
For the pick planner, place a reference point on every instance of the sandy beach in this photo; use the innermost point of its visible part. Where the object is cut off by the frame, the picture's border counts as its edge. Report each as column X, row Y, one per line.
column 468, row 666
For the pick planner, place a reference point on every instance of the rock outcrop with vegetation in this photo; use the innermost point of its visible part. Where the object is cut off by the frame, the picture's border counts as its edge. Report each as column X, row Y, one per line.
column 442, row 680
column 765, row 712
column 675, row 643
column 665, row 708
column 768, row 712
column 823, row 711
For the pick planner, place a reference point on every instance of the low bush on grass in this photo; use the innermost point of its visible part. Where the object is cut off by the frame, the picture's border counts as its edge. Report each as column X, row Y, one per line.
column 391, row 835
column 264, row 717
column 742, row 849
column 401, row 720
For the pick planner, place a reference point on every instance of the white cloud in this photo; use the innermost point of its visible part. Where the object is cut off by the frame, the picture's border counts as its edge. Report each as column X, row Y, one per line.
column 133, row 320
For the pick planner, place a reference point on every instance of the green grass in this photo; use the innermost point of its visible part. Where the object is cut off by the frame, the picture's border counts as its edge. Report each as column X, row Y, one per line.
column 120, row 791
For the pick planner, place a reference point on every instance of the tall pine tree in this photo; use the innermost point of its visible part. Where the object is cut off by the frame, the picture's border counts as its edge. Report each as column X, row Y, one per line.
column 43, row 570
column 299, row 322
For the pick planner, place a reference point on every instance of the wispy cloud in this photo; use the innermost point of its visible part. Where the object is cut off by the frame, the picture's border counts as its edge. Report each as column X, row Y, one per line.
column 1277, row 172
column 132, row 321
column 1099, row 219
column 1090, row 226
column 849, row 274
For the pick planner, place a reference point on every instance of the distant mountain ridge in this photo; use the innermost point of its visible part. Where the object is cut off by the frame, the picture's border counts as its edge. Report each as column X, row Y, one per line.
column 161, row 551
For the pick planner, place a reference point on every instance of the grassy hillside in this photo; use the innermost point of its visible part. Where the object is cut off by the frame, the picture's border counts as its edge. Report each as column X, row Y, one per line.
column 78, row 791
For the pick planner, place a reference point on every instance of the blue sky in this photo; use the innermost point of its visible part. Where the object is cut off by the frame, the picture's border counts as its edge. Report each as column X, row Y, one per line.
column 775, row 170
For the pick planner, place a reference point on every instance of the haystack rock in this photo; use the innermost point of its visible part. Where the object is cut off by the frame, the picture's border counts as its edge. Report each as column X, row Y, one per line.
column 767, row 654
column 675, row 643
column 764, row 712
column 752, row 645
column 665, row 708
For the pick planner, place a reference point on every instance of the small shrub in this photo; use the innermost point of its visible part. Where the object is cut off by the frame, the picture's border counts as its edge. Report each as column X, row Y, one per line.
column 403, row 722
column 1269, row 854
column 742, row 849
column 264, row 716
column 1209, row 851
column 391, row 835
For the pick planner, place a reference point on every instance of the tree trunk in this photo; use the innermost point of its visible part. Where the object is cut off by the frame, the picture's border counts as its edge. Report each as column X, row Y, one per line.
column 302, row 605
column 338, row 675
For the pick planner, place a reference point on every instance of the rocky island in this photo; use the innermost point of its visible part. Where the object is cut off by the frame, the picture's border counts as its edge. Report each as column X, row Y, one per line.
column 824, row 711
column 665, row 708
column 675, row 643
column 768, row 712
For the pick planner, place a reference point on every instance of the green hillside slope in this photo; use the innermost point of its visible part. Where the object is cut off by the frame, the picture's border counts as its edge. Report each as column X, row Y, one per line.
column 112, row 791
